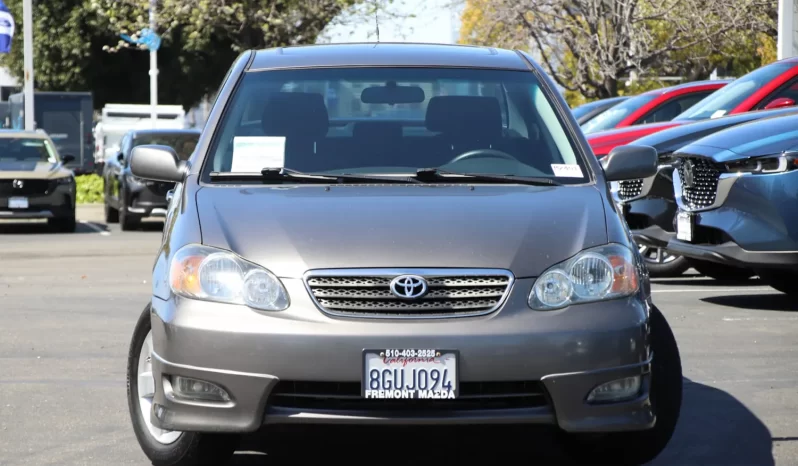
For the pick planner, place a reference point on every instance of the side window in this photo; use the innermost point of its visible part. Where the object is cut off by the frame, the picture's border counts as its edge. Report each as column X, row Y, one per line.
column 788, row 91
column 125, row 147
column 669, row 110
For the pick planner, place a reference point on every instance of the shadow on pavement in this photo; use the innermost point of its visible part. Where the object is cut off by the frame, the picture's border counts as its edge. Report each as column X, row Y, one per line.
column 706, row 282
column 714, row 428
column 756, row 302
column 25, row 228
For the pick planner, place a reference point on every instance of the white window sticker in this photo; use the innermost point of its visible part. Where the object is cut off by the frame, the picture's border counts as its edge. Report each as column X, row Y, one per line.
column 254, row 153
column 567, row 170
column 718, row 114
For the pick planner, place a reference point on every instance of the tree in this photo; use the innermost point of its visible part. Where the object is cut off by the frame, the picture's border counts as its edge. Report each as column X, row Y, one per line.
column 590, row 46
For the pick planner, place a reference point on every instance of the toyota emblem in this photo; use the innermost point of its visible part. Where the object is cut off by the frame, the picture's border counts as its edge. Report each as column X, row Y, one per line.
column 409, row 286
column 18, row 184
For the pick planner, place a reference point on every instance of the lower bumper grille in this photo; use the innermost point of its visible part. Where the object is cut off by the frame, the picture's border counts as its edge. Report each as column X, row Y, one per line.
column 345, row 396
column 630, row 189
column 26, row 187
column 434, row 292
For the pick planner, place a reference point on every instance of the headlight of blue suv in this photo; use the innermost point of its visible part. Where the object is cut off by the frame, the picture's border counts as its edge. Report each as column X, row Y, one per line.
column 211, row 274
column 764, row 165
column 597, row 274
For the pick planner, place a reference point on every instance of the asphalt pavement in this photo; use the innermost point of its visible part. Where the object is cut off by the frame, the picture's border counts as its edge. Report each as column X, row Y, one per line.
column 68, row 304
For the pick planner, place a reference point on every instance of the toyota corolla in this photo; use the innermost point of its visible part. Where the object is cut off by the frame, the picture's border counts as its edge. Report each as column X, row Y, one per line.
column 397, row 234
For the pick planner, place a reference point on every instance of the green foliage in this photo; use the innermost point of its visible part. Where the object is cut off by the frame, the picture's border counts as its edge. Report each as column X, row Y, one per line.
column 89, row 189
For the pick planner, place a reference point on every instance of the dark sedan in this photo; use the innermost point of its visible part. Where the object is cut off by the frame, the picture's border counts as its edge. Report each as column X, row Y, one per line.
column 737, row 195
column 129, row 199
column 590, row 110
column 650, row 207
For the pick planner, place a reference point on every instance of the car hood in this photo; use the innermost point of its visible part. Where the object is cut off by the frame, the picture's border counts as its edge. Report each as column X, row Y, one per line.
column 674, row 138
column 762, row 137
column 603, row 142
column 32, row 170
column 293, row 229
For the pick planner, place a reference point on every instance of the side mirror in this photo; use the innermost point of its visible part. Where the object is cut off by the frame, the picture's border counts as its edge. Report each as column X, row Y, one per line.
column 781, row 102
column 156, row 163
column 65, row 159
column 630, row 163
column 120, row 157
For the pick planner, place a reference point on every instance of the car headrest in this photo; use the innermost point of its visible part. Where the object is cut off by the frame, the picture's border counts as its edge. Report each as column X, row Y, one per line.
column 468, row 116
column 377, row 130
column 297, row 114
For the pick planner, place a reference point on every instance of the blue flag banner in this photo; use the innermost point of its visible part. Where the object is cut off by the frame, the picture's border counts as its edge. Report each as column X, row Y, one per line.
column 6, row 28
column 148, row 38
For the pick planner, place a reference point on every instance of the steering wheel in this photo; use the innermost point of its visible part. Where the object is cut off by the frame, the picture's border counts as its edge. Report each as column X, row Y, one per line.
column 478, row 153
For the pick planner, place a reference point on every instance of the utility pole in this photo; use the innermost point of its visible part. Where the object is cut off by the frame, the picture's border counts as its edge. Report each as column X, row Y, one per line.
column 786, row 29
column 153, row 70
column 27, row 27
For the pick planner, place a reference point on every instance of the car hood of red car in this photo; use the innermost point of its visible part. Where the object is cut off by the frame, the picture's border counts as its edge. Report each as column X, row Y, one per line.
column 602, row 142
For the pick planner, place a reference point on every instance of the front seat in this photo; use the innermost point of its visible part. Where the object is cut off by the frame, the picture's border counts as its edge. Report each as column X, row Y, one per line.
column 465, row 123
column 301, row 118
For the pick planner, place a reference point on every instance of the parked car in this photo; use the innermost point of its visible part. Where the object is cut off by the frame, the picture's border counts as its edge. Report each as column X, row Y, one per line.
column 34, row 184
column 736, row 192
column 769, row 87
column 590, row 110
column 129, row 199
column 654, row 106
column 424, row 265
column 649, row 204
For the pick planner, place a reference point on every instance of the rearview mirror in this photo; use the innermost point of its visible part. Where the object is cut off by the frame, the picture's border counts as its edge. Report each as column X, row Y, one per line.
column 156, row 163
column 781, row 102
column 392, row 94
column 630, row 163
column 66, row 158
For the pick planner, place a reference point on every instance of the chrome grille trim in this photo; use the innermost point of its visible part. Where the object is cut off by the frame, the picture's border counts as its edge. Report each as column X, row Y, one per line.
column 365, row 293
column 704, row 189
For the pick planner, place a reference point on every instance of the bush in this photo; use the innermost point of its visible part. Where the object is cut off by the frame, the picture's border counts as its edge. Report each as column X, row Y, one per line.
column 89, row 189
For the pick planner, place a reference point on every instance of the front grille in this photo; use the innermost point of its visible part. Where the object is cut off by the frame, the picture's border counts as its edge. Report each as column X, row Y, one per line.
column 699, row 178
column 29, row 187
column 159, row 187
column 369, row 294
column 630, row 189
column 346, row 396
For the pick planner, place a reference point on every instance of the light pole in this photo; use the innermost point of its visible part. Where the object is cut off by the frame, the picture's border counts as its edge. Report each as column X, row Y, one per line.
column 27, row 27
column 786, row 29
column 153, row 70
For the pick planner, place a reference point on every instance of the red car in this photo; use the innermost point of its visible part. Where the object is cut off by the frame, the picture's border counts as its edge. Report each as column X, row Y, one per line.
column 771, row 86
column 653, row 106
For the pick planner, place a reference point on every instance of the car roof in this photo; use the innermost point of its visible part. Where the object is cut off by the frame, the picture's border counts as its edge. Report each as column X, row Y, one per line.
column 689, row 85
column 166, row 131
column 387, row 54
column 17, row 133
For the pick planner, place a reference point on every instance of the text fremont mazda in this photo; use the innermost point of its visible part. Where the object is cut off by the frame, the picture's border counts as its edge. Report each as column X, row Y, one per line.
column 397, row 234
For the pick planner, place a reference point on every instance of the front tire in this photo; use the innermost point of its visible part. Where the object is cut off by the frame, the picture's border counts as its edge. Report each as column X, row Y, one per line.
column 661, row 263
column 127, row 221
column 720, row 271
column 165, row 448
column 637, row 448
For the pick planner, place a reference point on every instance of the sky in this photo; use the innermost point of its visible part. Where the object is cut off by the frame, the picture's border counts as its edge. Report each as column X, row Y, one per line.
column 434, row 21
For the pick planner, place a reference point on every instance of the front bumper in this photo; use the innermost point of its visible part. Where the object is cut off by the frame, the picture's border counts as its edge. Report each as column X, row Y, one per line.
column 730, row 253
column 148, row 200
column 58, row 202
column 255, row 355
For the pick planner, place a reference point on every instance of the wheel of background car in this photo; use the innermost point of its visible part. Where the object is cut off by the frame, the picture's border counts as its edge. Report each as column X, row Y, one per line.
column 480, row 153
column 165, row 447
column 640, row 447
column 661, row 263
column 720, row 271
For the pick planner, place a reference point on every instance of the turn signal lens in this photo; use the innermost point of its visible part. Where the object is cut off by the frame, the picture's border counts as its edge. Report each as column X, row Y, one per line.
column 616, row 391
column 200, row 390
column 211, row 274
column 606, row 272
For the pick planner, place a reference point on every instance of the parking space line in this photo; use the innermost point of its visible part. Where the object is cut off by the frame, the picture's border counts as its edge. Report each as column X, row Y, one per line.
column 749, row 319
column 95, row 228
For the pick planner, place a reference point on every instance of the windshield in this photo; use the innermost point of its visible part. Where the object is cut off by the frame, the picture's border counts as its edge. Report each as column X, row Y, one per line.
column 583, row 109
column 183, row 144
column 613, row 116
column 394, row 121
column 26, row 150
column 727, row 98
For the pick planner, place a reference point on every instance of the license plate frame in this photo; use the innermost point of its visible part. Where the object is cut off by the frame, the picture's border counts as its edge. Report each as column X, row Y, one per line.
column 455, row 354
column 685, row 226
column 18, row 202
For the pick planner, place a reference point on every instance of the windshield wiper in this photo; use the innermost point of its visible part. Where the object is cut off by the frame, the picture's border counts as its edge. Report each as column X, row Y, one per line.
column 436, row 174
column 287, row 174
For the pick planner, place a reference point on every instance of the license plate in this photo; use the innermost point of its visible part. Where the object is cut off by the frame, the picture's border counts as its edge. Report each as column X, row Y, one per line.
column 684, row 226
column 18, row 203
column 410, row 374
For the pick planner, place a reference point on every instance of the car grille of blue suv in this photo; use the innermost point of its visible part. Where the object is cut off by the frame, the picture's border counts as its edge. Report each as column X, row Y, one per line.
column 630, row 189
column 370, row 295
column 699, row 178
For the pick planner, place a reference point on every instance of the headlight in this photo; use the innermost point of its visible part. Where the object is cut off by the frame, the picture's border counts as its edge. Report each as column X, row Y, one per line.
column 65, row 180
column 767, row 164
column 598, row 274
column 210, row 274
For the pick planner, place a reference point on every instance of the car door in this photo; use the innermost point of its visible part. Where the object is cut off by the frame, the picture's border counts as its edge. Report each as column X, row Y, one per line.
column 785, row 93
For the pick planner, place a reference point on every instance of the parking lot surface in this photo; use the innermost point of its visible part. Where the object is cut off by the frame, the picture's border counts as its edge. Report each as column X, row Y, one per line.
column 69, row 303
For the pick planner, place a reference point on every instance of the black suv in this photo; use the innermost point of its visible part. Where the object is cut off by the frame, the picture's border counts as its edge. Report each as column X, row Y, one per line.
column 129, row 199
